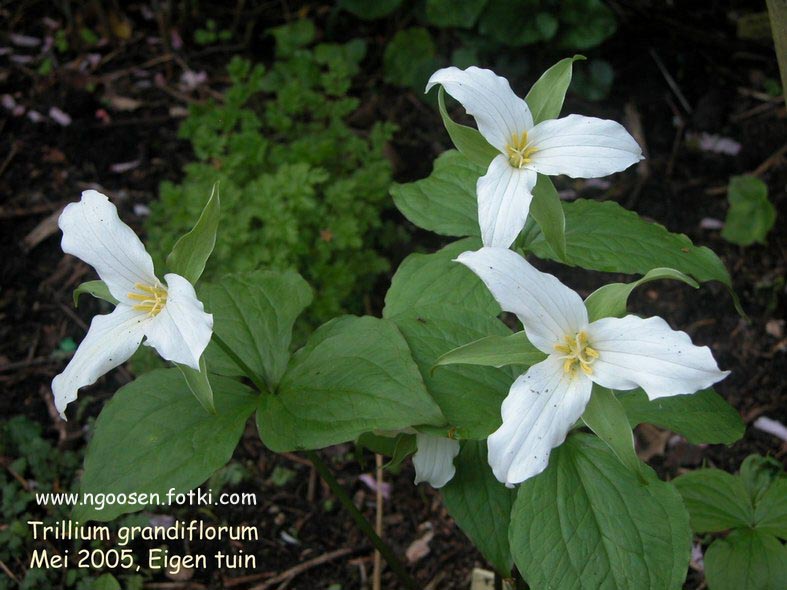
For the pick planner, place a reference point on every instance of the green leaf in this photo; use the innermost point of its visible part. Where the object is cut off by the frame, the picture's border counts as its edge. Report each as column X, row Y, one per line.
column 516, row 22
column 451, row 14
column 611, row 300
column 606, row 416
column 439, row 305
column 547, row 211
column 604, row 236
column 701, row 417
column 467, row 140
column 410, row 58
column 398, row 447
column 191, row 252
column 716, row 500
column 425, row 280
column 254, row 313
column 587, row 522
column 594, row 82
column 546, row 97
column 585, row 23
column 481, row 505
column 199, row 384
column 746, row 560
column 97, row 289
column 445, row 201
column 751, row 215
column 105, row 582
column 770, row 513
column 354, row 375
column 758, row 473
column 151, row 436
column 370, row 10
column 494, row 351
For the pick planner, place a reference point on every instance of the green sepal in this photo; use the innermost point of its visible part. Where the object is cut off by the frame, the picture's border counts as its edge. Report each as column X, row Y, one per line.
column 198, row 384
column 191, row 252
column 97, row 289
column 545, row 98
column 467, row 140
column 494, row 351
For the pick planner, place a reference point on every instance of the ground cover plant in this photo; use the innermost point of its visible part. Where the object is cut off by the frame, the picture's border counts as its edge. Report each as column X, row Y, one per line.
column 432, row 370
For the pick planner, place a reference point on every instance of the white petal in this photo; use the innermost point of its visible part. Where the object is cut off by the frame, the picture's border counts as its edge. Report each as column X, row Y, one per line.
column 434, row 460
column 581, row 147
column 499, row 113
column 504, row 195
column 182, row 330
column 538, row 412
column 93, row 232
column 548, row 309
column 109, row 342
column 649, row 354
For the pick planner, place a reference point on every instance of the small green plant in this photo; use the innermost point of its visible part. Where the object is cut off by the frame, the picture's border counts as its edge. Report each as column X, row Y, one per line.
column 751, row 215
column 211, row 34
column 752, row 507
column 300, row 188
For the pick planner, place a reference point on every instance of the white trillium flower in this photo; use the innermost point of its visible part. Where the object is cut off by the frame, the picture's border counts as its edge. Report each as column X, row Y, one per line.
column 170, row 318
column 617, row 353
column 577, row 146
column 434, row 459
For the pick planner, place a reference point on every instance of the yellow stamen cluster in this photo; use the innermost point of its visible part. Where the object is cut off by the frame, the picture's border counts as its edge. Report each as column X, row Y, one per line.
column 576, row 351
column 518, row 151
column 152, row 298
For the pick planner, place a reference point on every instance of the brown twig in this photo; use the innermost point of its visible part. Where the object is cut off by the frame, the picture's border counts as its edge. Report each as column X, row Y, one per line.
column 303, row 567
column 378, row 523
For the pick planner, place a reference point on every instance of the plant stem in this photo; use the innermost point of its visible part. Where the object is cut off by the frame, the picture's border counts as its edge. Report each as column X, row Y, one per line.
column 258, row 382
column 363, row 524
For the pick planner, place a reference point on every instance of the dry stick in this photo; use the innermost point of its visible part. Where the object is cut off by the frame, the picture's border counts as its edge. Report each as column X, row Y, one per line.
column 378, row 522
column 302, row 567
column 393, row 562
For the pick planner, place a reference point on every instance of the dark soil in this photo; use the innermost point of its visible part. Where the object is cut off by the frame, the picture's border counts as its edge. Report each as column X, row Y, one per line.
column 45, row 165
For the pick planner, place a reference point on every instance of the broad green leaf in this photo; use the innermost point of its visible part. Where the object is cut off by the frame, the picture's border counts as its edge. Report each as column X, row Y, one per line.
column 444, row 202
column 452, row 14
column 152, row 436
column 746, row 560
column 547, row 211
column 604, row 236
column 606, row 416
column 410, row 58
column 716, row 500
column 701, row 417
column 469, row 396
column 354, row 375
column 594, row 81
column 199, row 384
column 758, row 473
column 105, row 582
column 370, row 10
column 253, row 313
column 439, row 305
column 436, row 279
column 517, row 22
column 467, row 140
column 751, row 215
column 494, row 351
column 611, row 300
column 97, row 289
column 587, row 522
column 546, row 97
column 585, row 23
column 771, row 510
column 191, row 251
column 481, row 505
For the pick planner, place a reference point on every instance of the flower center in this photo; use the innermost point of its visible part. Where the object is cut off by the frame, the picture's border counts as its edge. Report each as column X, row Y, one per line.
column 518, row 151
column 151, row 300
column 575, row 352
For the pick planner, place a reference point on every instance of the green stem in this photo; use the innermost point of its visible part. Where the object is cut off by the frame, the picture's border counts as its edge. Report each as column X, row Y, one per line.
column 258, row 382
column 363, row 524
column 333, row 483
